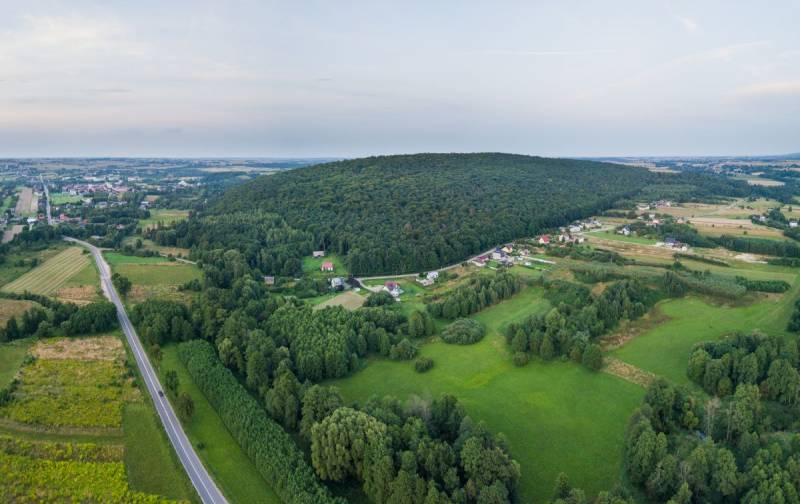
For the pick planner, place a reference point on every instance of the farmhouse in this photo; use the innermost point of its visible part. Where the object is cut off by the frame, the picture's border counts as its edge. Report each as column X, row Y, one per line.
column 544, row 240
column 428, row 279
column 326, row 266
column 480, row 261
column 269, row 280
column 393, row 288
column 318, row 253
column 626, row 231
column 337, row 283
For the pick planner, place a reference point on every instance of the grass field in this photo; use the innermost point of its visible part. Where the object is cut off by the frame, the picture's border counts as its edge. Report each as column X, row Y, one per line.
column 349, row 300
column 62, row 198
column 311, row 266
column 665, row 348
column 163, row 216
column 150, row 245
column 149, row 462
column 11, row 356
column 232, row 470
column 72, row 383
column 115, row 259
column 13, row 308
column 611, row 235
column 557, row 416
column 50, row 276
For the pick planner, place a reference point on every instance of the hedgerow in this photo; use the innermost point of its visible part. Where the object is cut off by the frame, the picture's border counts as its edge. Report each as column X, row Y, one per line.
column 273, row 452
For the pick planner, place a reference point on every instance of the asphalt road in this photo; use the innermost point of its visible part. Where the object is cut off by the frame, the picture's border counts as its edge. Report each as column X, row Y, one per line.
column 205, row 486
column 46, row 200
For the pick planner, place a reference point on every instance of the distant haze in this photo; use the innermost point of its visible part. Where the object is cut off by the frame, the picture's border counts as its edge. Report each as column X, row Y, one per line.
column 342, row 78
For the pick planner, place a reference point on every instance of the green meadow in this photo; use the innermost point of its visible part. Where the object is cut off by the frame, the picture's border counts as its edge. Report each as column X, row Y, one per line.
column 557, row 416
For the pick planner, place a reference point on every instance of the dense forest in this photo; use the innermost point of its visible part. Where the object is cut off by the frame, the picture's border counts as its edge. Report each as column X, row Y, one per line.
column 394, row 214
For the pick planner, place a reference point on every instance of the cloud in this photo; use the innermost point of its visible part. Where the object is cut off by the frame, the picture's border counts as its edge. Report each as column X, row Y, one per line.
column 688, row 23
column 524, row 52
column 776, row 88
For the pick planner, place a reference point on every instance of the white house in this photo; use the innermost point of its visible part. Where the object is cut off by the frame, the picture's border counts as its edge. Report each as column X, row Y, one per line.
column 318, row 253
column 792, row 224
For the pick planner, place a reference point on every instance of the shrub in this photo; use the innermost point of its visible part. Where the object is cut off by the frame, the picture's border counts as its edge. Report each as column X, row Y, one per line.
column 521, row 359
column 463, row 332
column 423, row 364
column 404, row 350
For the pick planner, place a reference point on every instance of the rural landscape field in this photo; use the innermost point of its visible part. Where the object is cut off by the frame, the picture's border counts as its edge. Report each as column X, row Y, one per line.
column 420, row 253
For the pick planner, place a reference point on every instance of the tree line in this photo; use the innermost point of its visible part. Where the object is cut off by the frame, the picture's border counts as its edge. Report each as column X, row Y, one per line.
column 53, row 318
column 479, row 292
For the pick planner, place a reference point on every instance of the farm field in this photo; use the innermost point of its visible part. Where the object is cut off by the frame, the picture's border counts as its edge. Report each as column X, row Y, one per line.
column 27, row 202
column 557, row 416
column 232, row 470
column 13, row 308
column 150, row 245
column 349, row 300
column 11, row 232
column 65, row 436
column 18, row 262
column 153, row 276
column 50, row 276
column 163, row 216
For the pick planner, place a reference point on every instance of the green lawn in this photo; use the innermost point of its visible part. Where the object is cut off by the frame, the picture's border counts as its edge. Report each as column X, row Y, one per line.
column 11, row 355
column 115, row 258
column 149, row 461
column 311, row 266
column 163, row 216
column 557, row 416
column 611, row 235
column 229, row 465
column 665, row 348
column 62, row 198
column 86, row 276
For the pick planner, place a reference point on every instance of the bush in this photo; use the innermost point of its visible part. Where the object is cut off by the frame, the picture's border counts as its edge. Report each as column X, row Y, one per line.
column 404, row 350
column 463, row 332
column 381, row 298
column 521, row 359
column 593, row 357
column 423, row 364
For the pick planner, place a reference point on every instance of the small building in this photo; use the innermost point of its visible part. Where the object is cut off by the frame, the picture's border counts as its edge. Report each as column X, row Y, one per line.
column 318, row 253
column 626, row 231
column 326, row 266
column 424, row 281
column 337, row 283
column 480, row 261
column 544, row 240
column 432, row 275
column 497, row 255
column 393, row 288
column 792, row 224
column 508, row 249
column 269, row 280
column 575, row 228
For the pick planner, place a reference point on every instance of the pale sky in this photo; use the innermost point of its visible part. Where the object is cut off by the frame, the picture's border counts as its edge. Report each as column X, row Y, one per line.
column 343, row 78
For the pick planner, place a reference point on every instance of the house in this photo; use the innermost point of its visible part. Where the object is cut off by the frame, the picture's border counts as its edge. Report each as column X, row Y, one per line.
column 625, row 231
column 318, row 253
column 480, row 261
column 326, row 266
column 670, row 241
column 425, row 282
column 337, row 283
column 575, row 228
column 497, row 255
column 544, row 240
column 792, row 224
column 269, row 280
column 393, row 288
column 508, row 249
column 432, row 275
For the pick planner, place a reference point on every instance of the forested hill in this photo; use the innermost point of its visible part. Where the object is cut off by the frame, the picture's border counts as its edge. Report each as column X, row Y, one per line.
column 406, row 213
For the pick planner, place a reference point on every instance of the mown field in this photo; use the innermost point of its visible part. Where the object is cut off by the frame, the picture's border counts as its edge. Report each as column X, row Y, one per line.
column 152, row 276
column 18, row 262
column 78, row 430
column 50, row 276
column 311, row 266
column 557, row 416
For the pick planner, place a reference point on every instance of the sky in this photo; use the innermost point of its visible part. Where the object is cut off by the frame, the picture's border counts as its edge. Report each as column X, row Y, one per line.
column 345, row 79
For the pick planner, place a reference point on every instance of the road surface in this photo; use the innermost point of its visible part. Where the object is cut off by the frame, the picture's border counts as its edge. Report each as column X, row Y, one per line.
column 205, row 486
column 46, row 200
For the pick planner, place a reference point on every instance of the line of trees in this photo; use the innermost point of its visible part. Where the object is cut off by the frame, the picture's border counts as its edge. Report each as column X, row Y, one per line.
column 273, row 452
column 763, row 246
column 54, row 317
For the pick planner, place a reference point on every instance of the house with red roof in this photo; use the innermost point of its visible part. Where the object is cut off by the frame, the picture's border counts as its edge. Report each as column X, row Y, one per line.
column 326, row 266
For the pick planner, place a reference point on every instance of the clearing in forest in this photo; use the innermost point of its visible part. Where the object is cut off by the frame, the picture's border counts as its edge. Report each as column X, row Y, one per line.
column 348, row 300
column 558, row 416
column 50, row 276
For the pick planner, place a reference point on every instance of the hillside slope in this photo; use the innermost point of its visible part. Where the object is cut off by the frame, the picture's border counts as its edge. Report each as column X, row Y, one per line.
column 394, row 214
